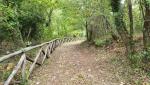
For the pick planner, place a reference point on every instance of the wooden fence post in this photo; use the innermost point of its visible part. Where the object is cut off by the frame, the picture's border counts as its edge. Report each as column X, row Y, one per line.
column 46, row 52
column 15, row 70
column 24, row 69
column 35, row 60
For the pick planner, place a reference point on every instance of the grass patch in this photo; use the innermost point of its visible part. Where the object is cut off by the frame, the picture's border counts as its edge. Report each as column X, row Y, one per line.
column 103, row 42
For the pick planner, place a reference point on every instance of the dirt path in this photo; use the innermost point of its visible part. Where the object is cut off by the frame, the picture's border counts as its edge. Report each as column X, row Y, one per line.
column 76, row 64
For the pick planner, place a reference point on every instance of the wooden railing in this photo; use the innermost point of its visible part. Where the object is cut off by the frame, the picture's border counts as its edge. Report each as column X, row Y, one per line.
column 45, row 49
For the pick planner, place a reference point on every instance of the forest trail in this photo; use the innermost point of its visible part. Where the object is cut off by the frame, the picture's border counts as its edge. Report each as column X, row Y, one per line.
column 77, row 64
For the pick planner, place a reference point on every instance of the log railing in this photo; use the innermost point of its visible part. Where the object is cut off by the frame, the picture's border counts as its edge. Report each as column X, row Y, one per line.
column 45, row 49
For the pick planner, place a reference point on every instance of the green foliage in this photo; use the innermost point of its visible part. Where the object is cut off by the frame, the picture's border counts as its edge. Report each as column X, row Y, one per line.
column 146, row 55
column 35, row 22
column 31, row 17
column 6, row 75
column 148, row 1
column 115, row 5
column 8, row 21
column 26, row 80
column 102, row 42
column 136, row 59
column 139, row 58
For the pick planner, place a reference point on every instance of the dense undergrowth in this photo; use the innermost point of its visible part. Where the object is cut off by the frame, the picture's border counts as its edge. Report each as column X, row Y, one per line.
column 135, row 67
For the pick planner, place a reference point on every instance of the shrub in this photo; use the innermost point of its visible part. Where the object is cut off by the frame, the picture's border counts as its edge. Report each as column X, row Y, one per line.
column 140, row 58
column 100, row 43
column 136, row 59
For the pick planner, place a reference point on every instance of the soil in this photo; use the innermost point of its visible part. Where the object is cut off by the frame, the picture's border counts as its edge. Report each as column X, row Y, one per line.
column 77, row 63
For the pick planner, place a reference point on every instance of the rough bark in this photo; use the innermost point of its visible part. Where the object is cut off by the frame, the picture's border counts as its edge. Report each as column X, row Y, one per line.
column 86, row 27
column 131, row 26
column 146, row 30
column 117, row 9
column 109, row 27
column 122, row 31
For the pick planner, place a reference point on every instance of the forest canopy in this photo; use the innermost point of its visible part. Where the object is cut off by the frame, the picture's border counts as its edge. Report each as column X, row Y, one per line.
column 38, row 20
column 35, row 21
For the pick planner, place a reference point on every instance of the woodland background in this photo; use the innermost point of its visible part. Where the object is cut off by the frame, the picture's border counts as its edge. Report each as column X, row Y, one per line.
column 30, row 22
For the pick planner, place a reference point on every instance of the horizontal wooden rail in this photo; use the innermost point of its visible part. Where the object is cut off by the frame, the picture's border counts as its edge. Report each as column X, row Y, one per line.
column 45, row 49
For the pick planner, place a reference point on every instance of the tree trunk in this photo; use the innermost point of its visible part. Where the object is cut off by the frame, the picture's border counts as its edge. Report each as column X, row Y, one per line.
column 109, row 27
column 146, row 30
column 117, row 9
column 122, row 31
column 86, row 27
column 49, row 18
column 131, row 26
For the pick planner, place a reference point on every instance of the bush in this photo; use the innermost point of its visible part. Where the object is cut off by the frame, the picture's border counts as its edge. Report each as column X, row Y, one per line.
column 140, row 58
column 8, row 22
column 100, row 43
column 146, row 55
column 136, row 59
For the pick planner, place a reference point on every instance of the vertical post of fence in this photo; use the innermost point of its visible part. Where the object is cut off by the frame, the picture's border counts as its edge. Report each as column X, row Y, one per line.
column 24, row 69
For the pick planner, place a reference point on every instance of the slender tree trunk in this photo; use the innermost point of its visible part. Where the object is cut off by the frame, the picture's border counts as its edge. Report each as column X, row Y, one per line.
column 142, row 9
column 120, row 25
column 131, row 26
column 109, row 27
column 86, row 27
column 146, row 30
column 49, row 18
column 122, row 31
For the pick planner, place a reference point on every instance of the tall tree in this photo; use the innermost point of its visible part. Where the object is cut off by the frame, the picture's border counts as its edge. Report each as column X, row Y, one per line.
column 131, row 26
column 146, row 30
column 117, row 9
